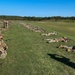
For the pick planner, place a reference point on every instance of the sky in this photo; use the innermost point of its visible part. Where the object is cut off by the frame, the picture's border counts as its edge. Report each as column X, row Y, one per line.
column 38, row 8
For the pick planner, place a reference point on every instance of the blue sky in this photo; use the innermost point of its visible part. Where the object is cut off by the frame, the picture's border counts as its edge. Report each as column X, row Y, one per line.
column 39, row 8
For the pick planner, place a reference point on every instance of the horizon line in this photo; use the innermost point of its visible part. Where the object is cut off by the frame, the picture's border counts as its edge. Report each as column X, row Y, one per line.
column 36, row 16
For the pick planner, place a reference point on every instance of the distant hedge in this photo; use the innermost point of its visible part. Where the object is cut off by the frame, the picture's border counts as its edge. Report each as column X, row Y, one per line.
column 53, row 18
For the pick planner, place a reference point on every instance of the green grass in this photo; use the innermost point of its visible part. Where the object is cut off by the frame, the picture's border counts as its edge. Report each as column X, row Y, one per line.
column 28, row 53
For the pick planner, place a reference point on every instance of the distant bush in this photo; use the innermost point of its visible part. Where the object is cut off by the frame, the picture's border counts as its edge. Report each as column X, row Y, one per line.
column 53, row 18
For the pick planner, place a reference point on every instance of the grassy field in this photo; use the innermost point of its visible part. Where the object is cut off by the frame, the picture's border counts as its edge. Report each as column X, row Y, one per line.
column 28, row 54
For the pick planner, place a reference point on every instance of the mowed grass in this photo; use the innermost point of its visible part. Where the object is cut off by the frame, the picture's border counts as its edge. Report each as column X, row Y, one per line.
column 28, row 54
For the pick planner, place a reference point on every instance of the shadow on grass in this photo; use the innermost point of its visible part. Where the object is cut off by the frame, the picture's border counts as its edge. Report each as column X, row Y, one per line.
column 62, row 59
column 1, row 64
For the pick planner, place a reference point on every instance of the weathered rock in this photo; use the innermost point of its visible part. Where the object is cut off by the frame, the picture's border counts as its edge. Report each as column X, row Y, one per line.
column 3, row 54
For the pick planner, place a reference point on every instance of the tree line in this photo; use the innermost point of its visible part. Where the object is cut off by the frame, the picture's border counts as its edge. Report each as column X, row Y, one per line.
column 53, row 18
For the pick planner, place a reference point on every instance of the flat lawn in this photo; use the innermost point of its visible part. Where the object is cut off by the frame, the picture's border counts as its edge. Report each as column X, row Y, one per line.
column 28, row 54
